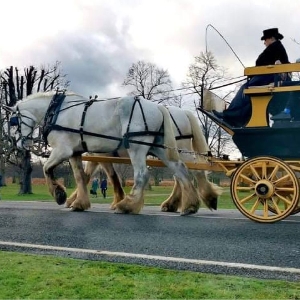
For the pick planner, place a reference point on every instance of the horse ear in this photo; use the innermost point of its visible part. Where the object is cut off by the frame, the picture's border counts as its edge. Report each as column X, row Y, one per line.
column 8, row 108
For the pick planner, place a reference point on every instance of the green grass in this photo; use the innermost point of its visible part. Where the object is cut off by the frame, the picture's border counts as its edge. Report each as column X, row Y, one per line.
column 26, row 276
column 154, row 197
column 29, row 276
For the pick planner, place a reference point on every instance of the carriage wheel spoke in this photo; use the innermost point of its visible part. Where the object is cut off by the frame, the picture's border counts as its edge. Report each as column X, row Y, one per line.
column 278, row 210
column 285, row 200
column 285, row 178
column 266, row 208
column 245, row 188
column 285, row 189
column 264, row 170
column 255, row 206
column 248, row 179
column 255, row 172
column 248, row 198
column 274, row 173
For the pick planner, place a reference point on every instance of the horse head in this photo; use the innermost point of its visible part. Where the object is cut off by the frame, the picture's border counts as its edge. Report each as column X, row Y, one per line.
column 24, row 122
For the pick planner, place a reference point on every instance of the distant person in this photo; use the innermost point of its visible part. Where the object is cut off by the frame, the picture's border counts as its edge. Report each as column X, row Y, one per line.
column 95, row 186
column 103, row 187
column 239, row 110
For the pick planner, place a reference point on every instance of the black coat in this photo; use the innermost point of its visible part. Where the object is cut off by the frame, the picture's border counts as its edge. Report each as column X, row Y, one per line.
column 273, row 52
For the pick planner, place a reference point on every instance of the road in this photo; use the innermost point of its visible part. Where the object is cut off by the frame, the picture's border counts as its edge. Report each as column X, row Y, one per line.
column 221, row 242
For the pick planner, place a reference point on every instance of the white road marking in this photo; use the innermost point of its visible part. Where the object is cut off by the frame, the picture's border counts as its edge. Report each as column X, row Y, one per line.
column 155, row 257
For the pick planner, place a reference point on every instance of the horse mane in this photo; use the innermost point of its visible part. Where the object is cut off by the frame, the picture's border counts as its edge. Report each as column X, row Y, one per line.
column 47, row 94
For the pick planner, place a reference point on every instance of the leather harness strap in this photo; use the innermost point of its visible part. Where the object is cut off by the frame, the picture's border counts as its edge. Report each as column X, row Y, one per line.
column 54, row 109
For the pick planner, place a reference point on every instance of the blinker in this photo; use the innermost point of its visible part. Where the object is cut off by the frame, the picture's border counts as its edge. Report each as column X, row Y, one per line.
column 14, row 121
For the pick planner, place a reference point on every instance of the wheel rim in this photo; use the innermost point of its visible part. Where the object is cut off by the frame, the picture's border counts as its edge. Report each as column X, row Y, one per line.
column 265, row 189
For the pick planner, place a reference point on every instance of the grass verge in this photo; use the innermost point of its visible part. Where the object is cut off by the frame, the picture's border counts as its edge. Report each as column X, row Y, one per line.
column 45, row 277
column 152, row 197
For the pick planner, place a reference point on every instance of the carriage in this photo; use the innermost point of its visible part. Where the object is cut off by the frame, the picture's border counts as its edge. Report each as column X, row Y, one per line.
column 264, row 185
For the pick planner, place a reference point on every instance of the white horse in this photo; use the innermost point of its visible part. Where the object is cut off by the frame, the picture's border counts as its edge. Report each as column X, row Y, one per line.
column 79, row 125
column 190, row 140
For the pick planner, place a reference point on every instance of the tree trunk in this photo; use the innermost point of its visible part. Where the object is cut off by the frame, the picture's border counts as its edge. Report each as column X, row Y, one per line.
column 26, row 170
column 2, row 172
column 2, row 162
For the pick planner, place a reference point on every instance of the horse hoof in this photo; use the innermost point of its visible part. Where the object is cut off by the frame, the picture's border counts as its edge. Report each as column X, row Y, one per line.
column 76, row 209
column 60, row 196
column 168, row 209
column 214, row 203
column 119, row 211
column 188, row 211
column 113, row 207
column 164, row 209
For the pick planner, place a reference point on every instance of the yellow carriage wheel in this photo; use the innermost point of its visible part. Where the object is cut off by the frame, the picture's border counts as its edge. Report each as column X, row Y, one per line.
column 265, row 189
column 294, row 212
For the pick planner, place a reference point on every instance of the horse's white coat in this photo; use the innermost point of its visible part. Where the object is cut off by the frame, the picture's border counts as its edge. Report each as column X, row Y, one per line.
column 110, row 118
column 186, row 124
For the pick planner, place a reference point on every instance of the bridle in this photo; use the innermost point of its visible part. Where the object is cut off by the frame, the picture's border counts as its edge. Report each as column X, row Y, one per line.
column 20, row 119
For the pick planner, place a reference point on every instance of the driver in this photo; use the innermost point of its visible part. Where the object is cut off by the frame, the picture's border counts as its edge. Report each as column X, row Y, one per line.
column 239, row 110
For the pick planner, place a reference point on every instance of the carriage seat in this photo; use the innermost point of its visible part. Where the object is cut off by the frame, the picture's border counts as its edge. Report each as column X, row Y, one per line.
column 261, row 95
column 270, row 85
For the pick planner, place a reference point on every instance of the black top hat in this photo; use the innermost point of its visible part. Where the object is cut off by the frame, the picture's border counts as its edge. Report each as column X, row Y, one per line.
column 272, row 32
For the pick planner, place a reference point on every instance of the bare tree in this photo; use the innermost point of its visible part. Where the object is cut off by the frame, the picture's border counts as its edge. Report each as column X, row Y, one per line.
column 206, row 74
column 150, row 82
column 16, row 85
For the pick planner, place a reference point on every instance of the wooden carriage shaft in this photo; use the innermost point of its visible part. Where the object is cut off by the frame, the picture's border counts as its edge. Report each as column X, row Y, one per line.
column 228, row 167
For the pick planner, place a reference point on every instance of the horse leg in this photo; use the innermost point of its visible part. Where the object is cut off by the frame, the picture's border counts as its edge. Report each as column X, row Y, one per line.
column 89, row 170
column 208, row 191
column 57, row 190
column 113, row 177
column 174, row 201
column 82, row 201
column 134, row 201
column 190, row 201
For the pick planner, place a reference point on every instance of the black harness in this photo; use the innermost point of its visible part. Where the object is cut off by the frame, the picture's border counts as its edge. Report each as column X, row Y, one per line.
column 52, row 114
column 180, row 136
column 55, row 107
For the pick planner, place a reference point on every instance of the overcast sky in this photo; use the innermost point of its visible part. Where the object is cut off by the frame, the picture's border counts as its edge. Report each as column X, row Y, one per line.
column 97, row 41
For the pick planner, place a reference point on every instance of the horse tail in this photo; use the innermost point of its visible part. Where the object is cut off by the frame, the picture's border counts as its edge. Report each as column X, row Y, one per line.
column 209, row 191
column 199, row 143
column 169, row 136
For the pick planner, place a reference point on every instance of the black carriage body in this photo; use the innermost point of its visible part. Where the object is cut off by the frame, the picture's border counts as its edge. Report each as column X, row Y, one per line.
column 283, row 142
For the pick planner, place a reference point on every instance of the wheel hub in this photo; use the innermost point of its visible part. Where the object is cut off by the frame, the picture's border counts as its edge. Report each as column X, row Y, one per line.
column 264, row 189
